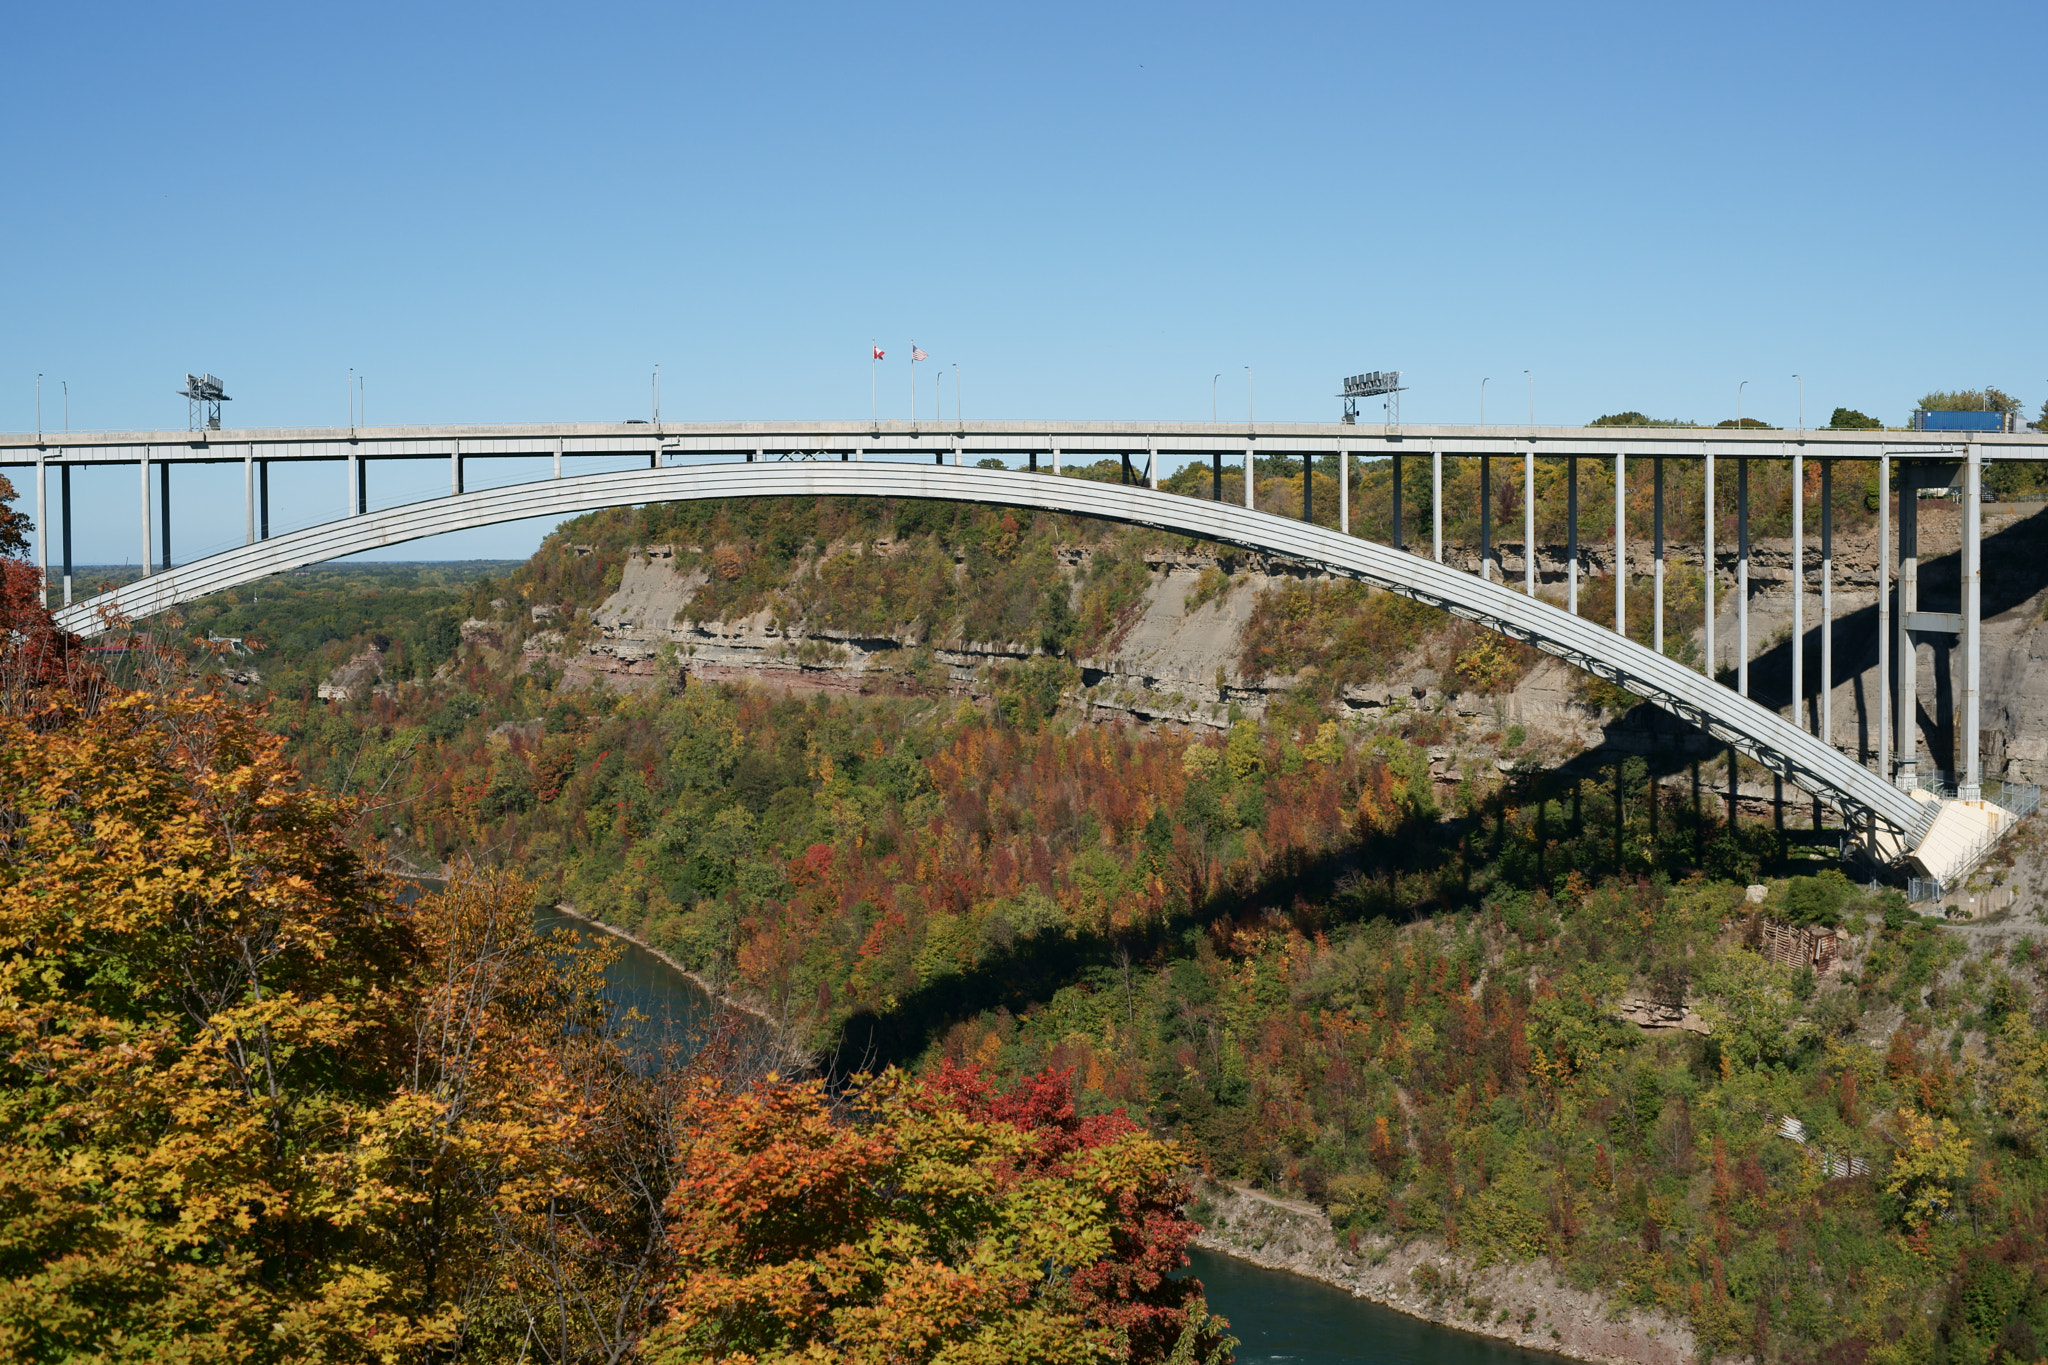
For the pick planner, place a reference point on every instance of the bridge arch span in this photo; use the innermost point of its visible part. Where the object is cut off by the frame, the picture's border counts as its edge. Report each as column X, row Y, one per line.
column 1784, row 748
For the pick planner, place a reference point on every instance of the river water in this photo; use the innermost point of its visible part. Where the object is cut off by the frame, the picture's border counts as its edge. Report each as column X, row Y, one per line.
column 1276, row 1317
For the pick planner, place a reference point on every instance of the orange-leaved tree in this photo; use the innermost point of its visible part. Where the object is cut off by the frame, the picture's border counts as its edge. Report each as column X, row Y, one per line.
column 908, row 1227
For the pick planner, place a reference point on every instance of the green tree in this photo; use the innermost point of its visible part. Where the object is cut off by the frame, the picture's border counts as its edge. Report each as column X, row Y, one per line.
column 1848, row 419
column 1986, row 399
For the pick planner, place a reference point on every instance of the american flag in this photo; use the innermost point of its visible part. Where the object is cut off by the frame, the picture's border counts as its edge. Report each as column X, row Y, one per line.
column 917, row 355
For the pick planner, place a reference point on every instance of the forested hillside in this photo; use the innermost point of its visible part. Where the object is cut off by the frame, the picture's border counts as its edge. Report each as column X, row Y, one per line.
column 1329, row 968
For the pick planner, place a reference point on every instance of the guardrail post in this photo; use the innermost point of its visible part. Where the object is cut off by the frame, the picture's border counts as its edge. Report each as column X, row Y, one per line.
column 1971, row 787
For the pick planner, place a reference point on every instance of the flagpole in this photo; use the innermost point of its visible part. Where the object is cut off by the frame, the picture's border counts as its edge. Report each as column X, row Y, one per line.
column 874, row 403
column 913, row 381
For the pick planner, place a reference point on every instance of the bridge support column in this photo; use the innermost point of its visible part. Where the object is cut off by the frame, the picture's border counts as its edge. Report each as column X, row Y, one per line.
column 1055, row 459
column 1657, row 553
column 956, row 454
column 558, row 457
column 455, row 468
column 1571, row 534
column 362, row 464
column 163, row 478
column 1344, row 491
column 263, row 499
column 1909, row 602
column 1216, row 471
column 249, row 496
column 1799, row 588
column 42, row 533
column 1970, row 777
column 1250, row 480
column 1620, row 544
column 1485, row 518
column 1436, row 503
column 1400, row 523
column 1742, row 575
column 1707, row 554
column 1529, row 521
column 1152, row 464
column 1827, row 601
column 1884, row 614
column 1308, row 486
column 64, row 502
column 148, row 549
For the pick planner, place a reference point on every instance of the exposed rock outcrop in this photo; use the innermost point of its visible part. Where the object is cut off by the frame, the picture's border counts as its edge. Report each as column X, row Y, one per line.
column 1526, row 1303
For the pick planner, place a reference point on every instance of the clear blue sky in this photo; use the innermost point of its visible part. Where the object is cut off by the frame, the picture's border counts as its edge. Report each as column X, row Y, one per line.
column 512, row 213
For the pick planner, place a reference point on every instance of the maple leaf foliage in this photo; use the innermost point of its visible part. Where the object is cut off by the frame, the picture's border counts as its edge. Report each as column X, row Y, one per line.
column 924, row 1221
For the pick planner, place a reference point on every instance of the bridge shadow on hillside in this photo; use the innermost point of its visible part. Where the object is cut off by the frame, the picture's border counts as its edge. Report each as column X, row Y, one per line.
column 1353, row 883
column 1318, row 889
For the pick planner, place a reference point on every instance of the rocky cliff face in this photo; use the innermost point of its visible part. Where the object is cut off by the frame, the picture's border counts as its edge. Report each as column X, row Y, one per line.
column 1525, row 1303
column 1178, row 665
column 1173, row 664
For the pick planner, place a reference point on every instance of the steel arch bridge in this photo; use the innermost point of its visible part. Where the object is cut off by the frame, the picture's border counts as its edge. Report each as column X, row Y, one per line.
column 1863, row 797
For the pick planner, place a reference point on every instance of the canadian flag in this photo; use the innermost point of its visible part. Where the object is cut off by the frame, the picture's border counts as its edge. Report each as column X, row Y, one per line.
column 878, row 352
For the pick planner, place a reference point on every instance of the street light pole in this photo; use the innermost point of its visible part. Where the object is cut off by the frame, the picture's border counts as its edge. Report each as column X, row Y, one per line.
column 1738, row 403
column 1532, row 398
column 1251, row 399
column 1482, row 399
column 39, row 403
column 67, row 405
column 1802, row 403
column 1212, row 398
column 956, row 393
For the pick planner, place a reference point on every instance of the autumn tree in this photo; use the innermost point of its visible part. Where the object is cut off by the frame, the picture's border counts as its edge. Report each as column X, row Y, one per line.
column 919, row 1224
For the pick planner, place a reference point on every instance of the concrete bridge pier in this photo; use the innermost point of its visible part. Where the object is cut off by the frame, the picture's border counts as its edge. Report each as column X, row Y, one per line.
column 1657, row 552
column 1742, row 575
column 1907, row 774
column 1571, row 534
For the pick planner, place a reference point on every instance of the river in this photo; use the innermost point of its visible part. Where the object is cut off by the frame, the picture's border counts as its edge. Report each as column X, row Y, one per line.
column 1275, row 1316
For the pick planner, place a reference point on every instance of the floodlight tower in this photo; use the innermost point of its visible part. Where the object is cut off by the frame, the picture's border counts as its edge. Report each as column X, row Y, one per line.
column 1387, row 382
column 203, row 396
